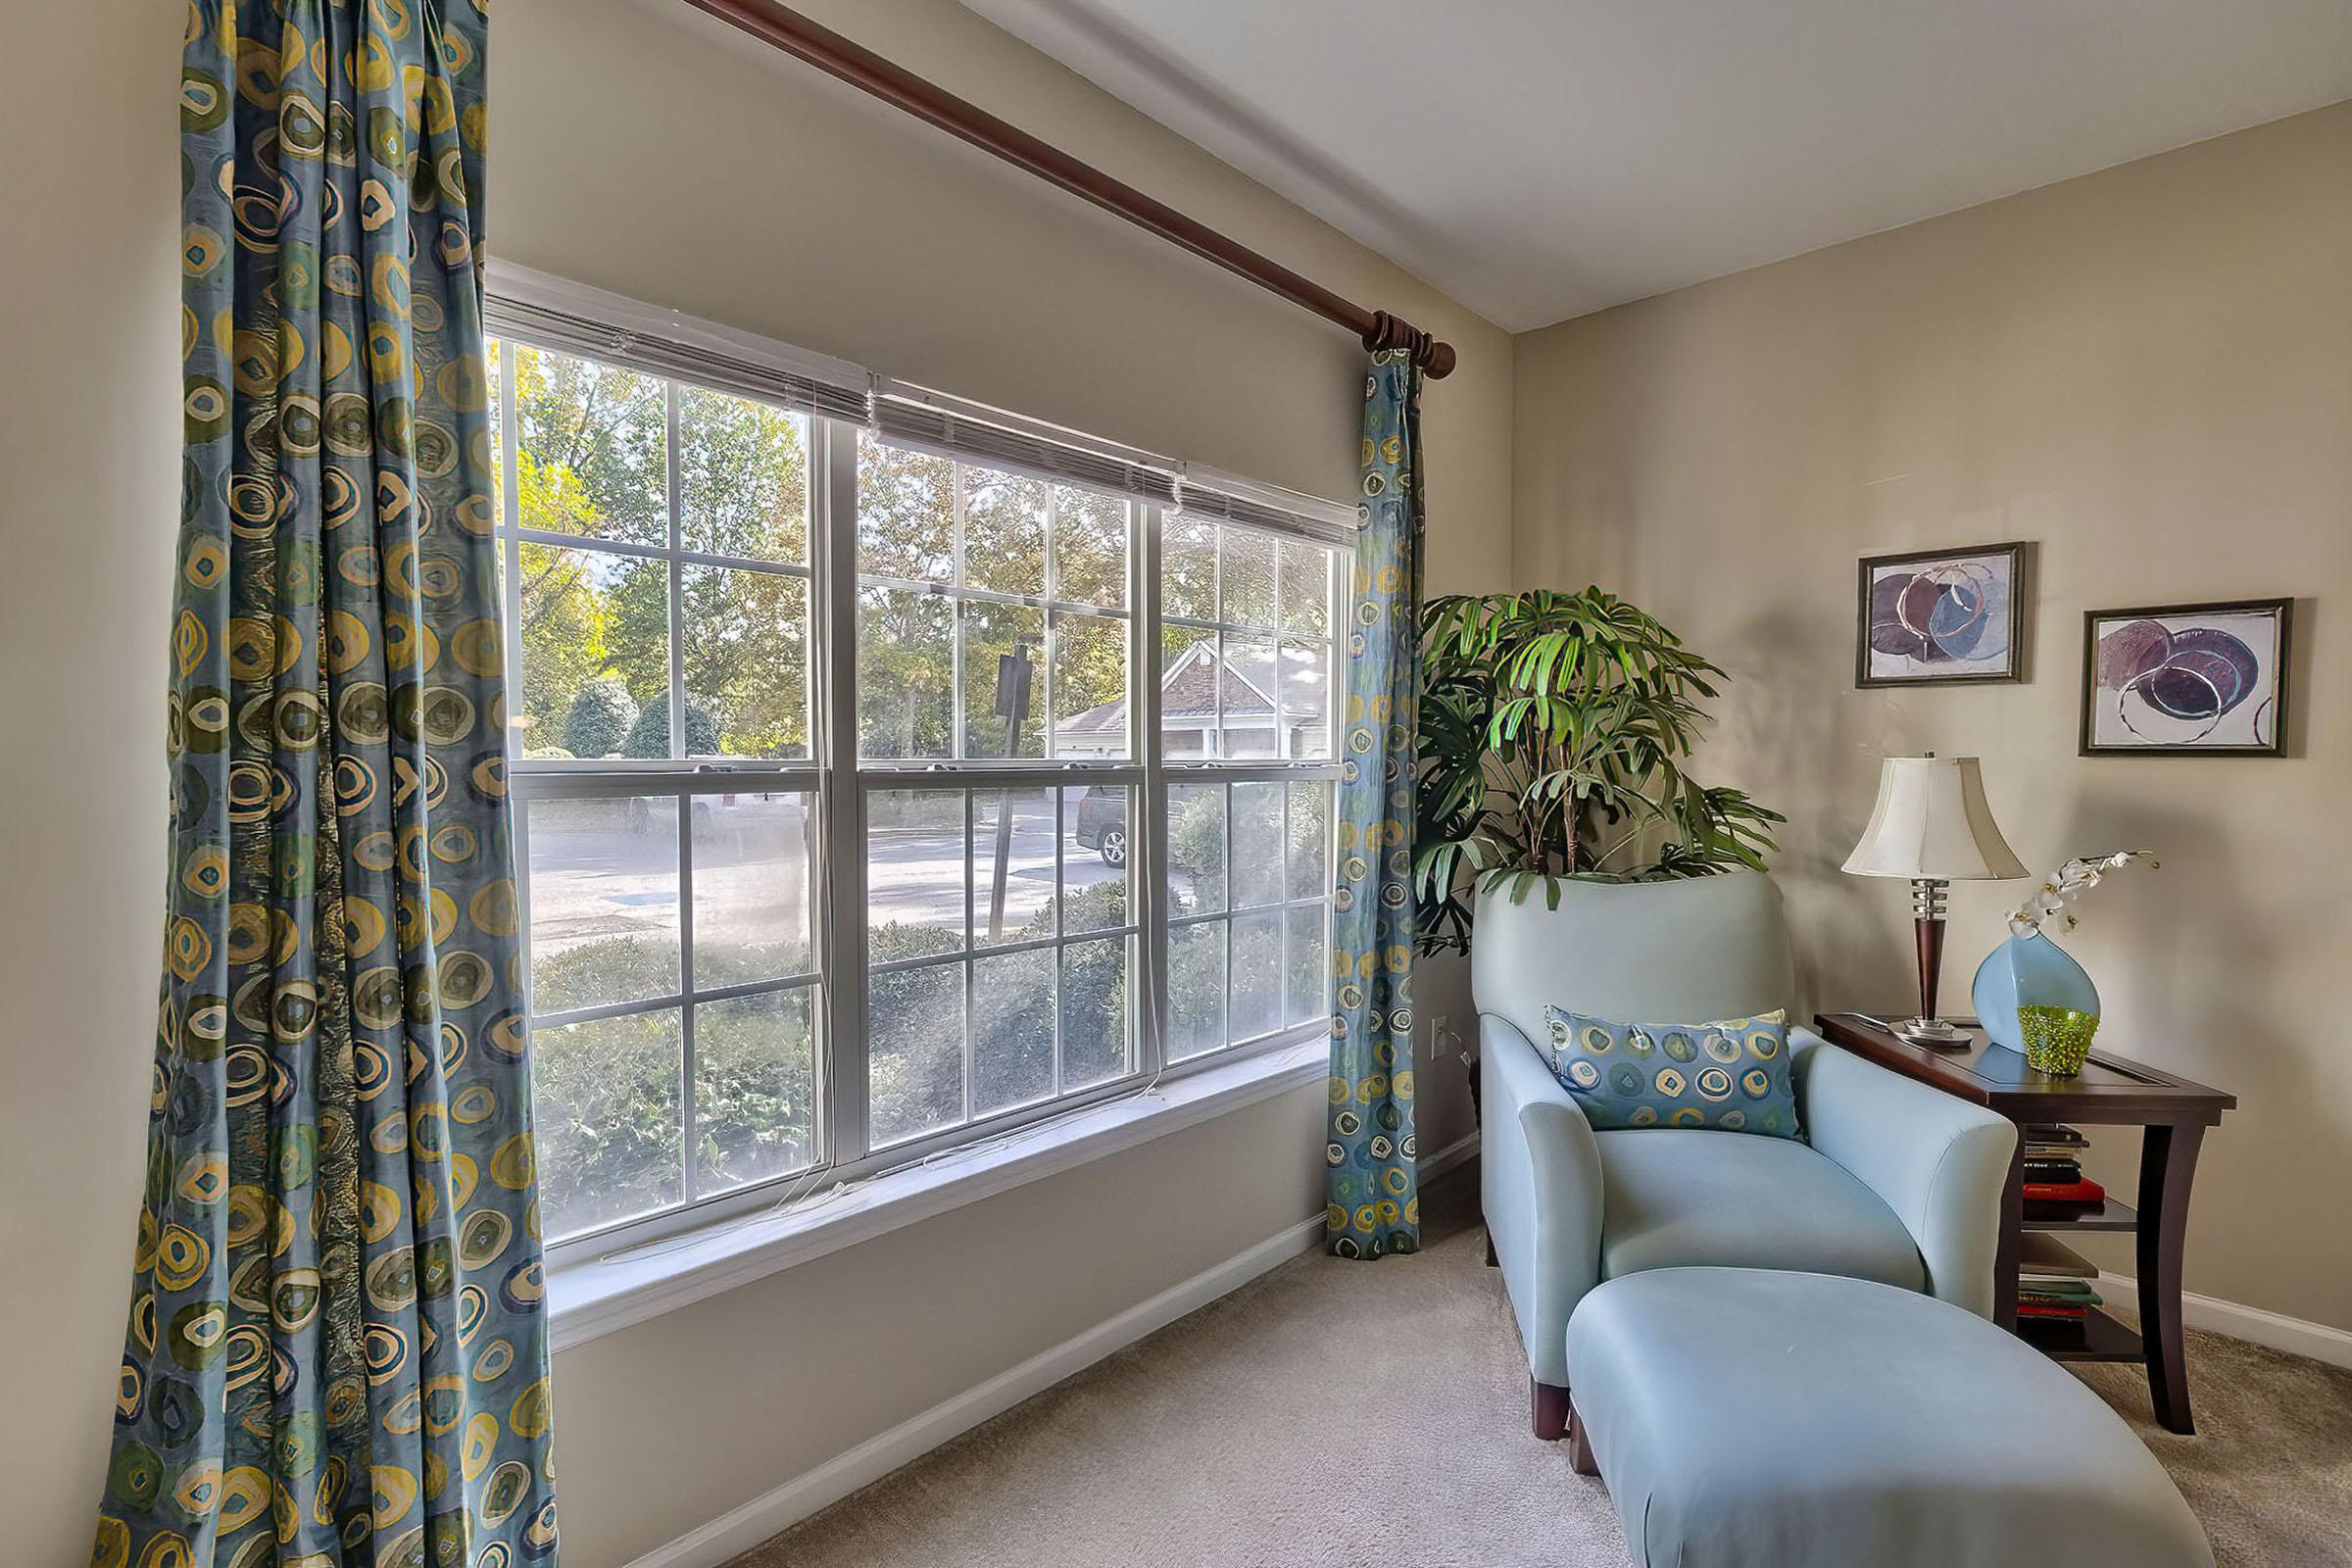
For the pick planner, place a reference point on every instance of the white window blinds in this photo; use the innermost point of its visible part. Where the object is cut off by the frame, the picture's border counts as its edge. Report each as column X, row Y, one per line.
column 932, row 422
column 561, row 315
column 1204, row 492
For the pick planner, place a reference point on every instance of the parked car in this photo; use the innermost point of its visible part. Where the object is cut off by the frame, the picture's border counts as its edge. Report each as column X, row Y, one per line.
column 1102, row 823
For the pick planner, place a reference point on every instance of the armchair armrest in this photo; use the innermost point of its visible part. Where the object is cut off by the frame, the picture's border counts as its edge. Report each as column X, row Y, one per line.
column 1539, row 1179
column 1938, row 1162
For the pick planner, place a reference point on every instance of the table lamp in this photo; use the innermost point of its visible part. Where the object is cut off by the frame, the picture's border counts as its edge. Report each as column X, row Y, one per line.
column 1932, row 825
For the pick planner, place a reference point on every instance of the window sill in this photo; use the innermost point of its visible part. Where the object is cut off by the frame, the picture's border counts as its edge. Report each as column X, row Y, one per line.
column 601, row 1294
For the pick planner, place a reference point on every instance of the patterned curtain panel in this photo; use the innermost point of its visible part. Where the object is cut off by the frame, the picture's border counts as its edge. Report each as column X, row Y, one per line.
column 1375, row 1204
column 337, row 1349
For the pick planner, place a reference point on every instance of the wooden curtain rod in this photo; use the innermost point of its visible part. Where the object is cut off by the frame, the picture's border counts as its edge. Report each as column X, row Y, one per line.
column 861, row 68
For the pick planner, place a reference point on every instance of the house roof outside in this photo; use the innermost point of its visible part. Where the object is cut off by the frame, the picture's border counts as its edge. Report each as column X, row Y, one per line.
column 1190, row 690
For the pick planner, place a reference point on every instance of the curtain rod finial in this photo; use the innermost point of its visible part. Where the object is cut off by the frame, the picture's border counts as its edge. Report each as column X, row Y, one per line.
column 1387, row 332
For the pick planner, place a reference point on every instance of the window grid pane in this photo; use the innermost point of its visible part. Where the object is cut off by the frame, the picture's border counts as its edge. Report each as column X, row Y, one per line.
column 656, row 545
column 1012, row 903
column 1269, row 844
column 617, row 984
column 605, row 878
column 1246, row 682
column 609, row 1111
column 663, row 567
column 992, row 618
column 754, row 1088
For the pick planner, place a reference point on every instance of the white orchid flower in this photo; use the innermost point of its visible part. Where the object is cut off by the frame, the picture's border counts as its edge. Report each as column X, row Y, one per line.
column 2069, row 881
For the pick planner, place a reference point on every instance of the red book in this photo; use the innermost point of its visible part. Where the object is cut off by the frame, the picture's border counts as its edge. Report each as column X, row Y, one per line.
column 2084, row 1191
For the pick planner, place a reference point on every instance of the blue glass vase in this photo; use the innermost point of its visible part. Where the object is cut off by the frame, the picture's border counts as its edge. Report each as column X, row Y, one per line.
column 2030, row 971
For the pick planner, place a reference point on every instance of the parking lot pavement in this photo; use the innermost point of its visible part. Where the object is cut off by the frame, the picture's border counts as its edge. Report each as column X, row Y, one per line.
column 600, row 870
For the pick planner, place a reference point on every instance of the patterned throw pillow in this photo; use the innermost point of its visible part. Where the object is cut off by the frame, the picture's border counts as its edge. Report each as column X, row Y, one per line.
column 1732, row 1075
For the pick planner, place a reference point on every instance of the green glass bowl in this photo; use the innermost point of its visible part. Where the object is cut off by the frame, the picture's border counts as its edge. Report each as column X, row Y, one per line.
column 2057, row 1038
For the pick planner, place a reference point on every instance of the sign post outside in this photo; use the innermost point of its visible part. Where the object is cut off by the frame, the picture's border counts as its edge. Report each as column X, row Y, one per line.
column 1013, row 672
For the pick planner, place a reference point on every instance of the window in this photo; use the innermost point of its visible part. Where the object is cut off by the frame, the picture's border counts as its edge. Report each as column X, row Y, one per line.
column 1246, row 633
column 882, row 784
column 655, row 547
column 993, row 628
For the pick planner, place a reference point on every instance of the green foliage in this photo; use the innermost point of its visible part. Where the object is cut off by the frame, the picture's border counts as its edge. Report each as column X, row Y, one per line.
column 599, row 719
column 1308, row 860
column 1553, row 730
column 1196, row 842
column 591, row 461
column 607, row 1096
column 1197, row 836
column 607, row 1099
column 563, row 626
column 907, row 640
column 1262, row 954
column 649, row 737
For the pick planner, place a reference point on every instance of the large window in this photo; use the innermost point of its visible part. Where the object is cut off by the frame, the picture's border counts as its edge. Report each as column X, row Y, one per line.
column 875, row 794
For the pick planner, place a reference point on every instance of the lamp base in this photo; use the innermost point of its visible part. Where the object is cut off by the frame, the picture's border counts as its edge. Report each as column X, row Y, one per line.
column 1927, row 920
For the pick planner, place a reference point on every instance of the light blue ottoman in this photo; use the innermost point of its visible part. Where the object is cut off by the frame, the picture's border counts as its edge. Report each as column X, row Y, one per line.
column 1746, row 1418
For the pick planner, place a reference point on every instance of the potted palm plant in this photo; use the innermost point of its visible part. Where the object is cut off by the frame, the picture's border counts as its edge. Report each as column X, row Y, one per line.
column 1553, row 731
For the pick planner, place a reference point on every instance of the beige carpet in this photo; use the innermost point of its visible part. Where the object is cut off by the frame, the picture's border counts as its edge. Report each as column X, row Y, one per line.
column 1347, row 1413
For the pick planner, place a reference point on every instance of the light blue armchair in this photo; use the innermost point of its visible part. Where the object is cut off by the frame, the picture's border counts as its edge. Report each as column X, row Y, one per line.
column 1896, row 1182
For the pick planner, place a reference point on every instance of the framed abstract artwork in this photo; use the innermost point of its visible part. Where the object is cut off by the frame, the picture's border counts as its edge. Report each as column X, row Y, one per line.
column 1941, row 617
column 2201, row 680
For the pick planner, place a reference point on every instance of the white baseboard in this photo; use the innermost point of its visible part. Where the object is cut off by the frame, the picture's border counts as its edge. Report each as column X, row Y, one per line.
column 741, row 1528
column 1432, row 1166
column 2276, row 1330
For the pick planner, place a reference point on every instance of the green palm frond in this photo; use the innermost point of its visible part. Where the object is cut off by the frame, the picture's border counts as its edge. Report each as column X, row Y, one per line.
column 1554, row 729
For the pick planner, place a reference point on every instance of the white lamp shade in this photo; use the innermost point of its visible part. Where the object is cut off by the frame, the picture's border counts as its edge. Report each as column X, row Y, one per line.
column 1932, row 822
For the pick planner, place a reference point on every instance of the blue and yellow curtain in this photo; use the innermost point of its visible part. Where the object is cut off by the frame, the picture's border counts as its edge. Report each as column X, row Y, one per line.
column 1374, row 1194
column 337, row 1349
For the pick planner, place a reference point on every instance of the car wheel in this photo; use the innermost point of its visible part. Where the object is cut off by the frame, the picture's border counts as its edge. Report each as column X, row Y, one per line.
column 1114, row 847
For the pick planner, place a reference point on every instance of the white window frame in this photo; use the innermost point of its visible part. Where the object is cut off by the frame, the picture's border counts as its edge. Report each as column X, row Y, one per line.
column 1281, row 768
column 680, row 778
column 617, row 331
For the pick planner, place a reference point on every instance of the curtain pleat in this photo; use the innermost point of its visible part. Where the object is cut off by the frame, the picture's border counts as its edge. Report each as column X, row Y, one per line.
column 336, row 1350
column 1374, row 1197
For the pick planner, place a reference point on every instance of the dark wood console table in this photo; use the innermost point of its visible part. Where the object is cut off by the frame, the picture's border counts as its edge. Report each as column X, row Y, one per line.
column 2112, row 1091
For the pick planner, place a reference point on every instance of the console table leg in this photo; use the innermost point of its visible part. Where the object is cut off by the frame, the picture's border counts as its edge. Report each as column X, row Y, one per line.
column 2011, row 1246
column 2168, row 1163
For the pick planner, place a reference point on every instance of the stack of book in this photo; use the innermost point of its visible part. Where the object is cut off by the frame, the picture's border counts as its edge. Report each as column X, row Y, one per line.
column 2055, row 1186
column 2055, row 1284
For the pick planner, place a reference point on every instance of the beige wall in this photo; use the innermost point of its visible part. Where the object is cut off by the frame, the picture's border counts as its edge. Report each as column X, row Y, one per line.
column 2148, row 372
column 89, row 506
column 639, row 149
column 671, row 1423
column 643, row 147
